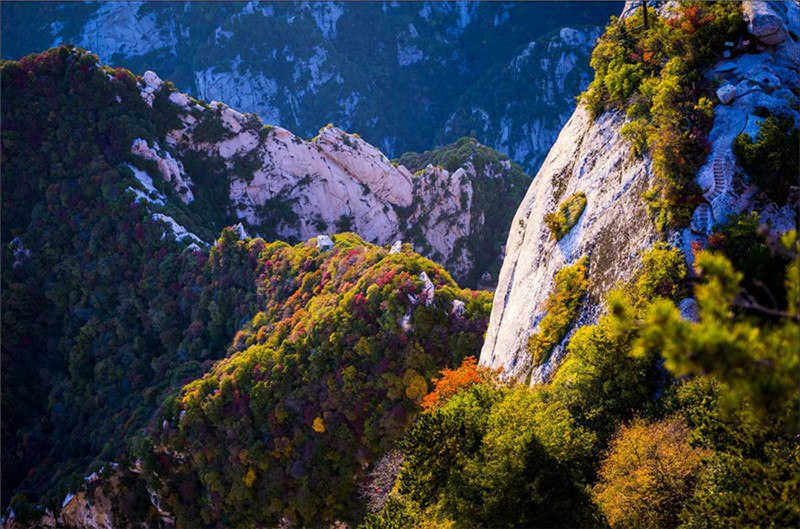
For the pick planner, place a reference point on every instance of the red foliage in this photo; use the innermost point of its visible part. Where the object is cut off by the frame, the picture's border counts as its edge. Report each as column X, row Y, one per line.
column 697, row 247
column 454, row 381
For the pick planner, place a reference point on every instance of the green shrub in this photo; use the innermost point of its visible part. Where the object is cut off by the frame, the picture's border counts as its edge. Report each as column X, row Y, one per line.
column 771, row 158
column 561, row 307
column 561, row 221
column 663, row 275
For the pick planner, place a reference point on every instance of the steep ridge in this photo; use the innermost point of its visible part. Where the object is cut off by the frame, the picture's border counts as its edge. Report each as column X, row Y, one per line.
column 592, row 157
column 119, row 291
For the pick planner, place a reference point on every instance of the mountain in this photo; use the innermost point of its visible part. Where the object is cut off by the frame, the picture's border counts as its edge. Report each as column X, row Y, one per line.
column 640, row 366
column 116, row 294
column 214, row 166
column 592, row 156
column 519, row 107
column 393, row 71
column 638, row 363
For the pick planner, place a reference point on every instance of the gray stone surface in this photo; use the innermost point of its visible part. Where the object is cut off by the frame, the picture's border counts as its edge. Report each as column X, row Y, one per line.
column 726, row 94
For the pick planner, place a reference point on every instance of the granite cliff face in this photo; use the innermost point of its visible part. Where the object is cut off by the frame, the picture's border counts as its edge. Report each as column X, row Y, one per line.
column 279, row 185
column 544, row 79
column 592, row 157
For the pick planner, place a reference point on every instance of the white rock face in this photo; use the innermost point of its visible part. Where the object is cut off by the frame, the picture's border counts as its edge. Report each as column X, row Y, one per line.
column 593, row 158
column 588, row 157
column 324, row 243
column 179, row 231
column 170, row 168
column 151, row 84
column 118, row 27
column 336, row 182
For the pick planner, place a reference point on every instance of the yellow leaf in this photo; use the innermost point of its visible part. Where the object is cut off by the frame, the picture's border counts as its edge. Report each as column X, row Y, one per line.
column 319, row 425
column 250, row 478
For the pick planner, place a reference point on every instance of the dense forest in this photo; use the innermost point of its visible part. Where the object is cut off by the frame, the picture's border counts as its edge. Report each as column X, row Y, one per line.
column 106, row 316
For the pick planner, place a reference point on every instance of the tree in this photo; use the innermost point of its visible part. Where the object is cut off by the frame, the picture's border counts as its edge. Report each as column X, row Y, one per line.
column 649, row 473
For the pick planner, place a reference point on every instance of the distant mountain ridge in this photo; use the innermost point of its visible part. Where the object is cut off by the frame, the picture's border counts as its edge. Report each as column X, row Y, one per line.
column 396, row 72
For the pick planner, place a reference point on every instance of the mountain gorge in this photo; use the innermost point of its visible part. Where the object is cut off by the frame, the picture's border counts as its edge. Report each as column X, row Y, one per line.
column 210, row 321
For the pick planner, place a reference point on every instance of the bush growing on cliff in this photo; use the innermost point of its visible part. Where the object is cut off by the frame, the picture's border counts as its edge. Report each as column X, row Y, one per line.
column 561, row 222
column 562, row 306
column 771, row 158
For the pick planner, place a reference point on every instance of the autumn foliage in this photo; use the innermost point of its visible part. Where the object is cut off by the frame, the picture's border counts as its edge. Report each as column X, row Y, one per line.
column 453, row 381
column 650, row 471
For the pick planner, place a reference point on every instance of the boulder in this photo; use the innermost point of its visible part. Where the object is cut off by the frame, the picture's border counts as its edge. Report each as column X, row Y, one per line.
column 324, row 243
column 726, row 94
column 764, row 22
column 427, row 289
column 688, row 308
column 240, row 231
column 396, row 247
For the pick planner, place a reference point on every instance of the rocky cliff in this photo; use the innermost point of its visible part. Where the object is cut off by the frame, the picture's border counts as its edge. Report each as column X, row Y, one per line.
column 519, row 107
column 592, row 157
column 279, row 185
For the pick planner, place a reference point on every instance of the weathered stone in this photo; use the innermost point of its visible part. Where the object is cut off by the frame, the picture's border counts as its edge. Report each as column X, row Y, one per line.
column 396, row 247
column 726, row 94
column 240, row 231
column 688, row 308
column 726, row 66
column 764, row 22
column 427, row 289
column 324, row 243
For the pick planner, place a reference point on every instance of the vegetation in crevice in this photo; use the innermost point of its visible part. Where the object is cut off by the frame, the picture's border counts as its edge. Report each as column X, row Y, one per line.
column 561, row 307
column 561, row 222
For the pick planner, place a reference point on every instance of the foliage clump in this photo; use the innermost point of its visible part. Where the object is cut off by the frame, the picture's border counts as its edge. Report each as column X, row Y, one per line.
column 771, row 158
column 561, row 222
column 492, row 456
column 703, row 436
column 650, row 471
column 570, row 284
column 656, row 74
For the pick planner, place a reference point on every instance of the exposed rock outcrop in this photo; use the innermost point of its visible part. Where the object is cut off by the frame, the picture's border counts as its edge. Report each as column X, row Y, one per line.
column 296, row 189
column 545, row 76
column 592, row 157
column 765, row 20
column 588, row 157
